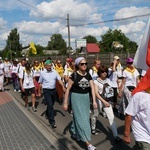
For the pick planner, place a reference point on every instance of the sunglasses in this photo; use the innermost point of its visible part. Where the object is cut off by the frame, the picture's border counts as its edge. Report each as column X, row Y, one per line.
column 130, row 63
column 82, row 64
column 103, row 71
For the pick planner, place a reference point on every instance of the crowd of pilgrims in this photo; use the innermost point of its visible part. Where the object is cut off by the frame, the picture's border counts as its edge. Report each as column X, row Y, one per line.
column 25, row 78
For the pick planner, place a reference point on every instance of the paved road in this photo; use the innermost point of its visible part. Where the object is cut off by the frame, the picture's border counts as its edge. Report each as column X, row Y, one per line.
column 60, row 137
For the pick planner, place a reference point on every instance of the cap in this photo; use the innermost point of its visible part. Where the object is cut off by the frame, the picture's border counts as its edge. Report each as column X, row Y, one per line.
column 16, row 60
column 0, row 57
column 77, row 61
column 129, row 60
column 47, row 62
column 116, row 57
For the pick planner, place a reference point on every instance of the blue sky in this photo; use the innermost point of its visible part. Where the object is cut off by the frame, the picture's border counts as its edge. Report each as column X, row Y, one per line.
column 37, row 20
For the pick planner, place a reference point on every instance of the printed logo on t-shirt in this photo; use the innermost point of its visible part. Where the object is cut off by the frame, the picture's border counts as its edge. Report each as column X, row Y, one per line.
column 84, row 83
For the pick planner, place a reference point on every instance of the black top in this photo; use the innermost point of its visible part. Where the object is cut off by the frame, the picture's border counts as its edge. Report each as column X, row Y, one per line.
column 81, row 83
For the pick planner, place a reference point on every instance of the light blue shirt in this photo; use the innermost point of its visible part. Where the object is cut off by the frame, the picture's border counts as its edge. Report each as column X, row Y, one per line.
column 48, row 79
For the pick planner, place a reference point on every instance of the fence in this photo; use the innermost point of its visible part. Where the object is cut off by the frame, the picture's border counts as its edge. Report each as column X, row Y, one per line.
column 106, row 58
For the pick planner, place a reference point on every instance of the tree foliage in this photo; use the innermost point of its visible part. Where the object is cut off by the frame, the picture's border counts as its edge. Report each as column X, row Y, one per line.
column 57, row 43
column 90, row 39
column 13, row 45
column 116, row 35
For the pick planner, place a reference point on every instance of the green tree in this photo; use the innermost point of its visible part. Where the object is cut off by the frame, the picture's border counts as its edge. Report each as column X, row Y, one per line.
column 90, row 39
column 57, row 43
column 13, row 46
column 116, row 35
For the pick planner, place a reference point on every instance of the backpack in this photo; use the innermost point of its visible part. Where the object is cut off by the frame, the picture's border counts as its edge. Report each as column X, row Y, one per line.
column 107, row 92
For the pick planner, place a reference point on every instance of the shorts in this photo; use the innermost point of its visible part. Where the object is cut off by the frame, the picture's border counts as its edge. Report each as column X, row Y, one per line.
column 29, row 91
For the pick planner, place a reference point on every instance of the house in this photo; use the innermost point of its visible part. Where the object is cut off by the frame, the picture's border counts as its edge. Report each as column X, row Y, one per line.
column 91, row 48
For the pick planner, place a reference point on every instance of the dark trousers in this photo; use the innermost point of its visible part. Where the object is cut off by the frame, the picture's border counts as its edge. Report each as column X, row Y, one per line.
column 141, row 146
column 50, row 98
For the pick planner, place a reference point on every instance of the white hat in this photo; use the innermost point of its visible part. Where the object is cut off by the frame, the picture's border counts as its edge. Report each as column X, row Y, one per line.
column 0, row 57
column 116, row 57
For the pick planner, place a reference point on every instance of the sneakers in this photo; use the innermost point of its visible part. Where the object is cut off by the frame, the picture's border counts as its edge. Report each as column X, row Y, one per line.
column 91, row 147
column 19, row 91
column 34, row 109
column 94, row 132
column 27, row 107
column 14, row 90
column 117, row 140
column 54, row 126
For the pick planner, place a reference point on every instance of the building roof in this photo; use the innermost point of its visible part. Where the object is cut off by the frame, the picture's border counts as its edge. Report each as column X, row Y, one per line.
column 92, row 48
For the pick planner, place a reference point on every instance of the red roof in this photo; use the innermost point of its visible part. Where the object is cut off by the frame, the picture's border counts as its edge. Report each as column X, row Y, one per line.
column 92, row 48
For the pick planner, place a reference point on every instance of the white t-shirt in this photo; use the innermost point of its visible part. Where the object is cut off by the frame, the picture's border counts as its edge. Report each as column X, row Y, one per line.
column 36, row 73
column 1, row 68
column 20, row 70
column 14, row 69
column 131, row 79
column 93, row 74
column 7, row 66
column 100, row 85
column 27, row 80
column 119, row 69
column 113, row 78
column 139, row 109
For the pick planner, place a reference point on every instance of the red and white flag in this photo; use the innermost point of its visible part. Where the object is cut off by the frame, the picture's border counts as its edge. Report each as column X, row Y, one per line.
column 141, row 53
column 142, row 60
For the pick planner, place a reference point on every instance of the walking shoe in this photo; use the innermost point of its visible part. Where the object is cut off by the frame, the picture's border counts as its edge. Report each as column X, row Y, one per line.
column 34, row 109
column 94, row 132
column 19, row 91
column 91, row 147
column 27, row 107
column 117, row 140
column 54, row 126
column 14, row 90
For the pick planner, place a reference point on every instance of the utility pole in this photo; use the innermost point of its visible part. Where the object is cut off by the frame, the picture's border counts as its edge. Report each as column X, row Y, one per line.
column 68, row 25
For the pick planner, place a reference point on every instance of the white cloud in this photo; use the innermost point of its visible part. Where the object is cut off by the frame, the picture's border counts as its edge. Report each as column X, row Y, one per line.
column 131, row 11
column 137, row 26
column 2, row 23
column 59, row 9
column 38, row 28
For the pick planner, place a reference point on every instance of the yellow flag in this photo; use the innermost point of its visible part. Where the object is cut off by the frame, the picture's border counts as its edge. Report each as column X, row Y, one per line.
column 32, row 48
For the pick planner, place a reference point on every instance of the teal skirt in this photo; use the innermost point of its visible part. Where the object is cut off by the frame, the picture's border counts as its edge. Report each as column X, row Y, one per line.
column 81, row 116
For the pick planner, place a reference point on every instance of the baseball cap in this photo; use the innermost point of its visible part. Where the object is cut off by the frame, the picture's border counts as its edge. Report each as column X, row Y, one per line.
column 47, row 62
column 129, row 60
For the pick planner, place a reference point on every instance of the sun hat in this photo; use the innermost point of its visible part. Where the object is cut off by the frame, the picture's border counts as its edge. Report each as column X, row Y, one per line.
column 129, row 60
column 77, row 61
column 116, row 57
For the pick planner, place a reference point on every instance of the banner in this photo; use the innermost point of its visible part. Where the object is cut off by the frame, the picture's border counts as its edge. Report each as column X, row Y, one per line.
column 142, row 56
column 32, row 48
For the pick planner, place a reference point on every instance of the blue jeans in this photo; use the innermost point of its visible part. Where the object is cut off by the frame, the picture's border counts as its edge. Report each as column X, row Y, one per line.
column 50, row 98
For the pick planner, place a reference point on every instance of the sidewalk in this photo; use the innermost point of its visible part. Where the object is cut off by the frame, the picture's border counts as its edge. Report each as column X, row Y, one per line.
column 34, row 129
column 17, row 132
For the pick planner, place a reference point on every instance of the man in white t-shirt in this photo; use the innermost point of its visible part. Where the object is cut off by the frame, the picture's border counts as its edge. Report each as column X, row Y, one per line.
column 137, row 114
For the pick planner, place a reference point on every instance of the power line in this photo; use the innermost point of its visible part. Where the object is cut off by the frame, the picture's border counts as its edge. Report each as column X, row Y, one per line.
column 112, row 20
column 41, row 10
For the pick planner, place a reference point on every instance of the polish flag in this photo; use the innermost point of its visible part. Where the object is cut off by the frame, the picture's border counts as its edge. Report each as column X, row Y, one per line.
column 142, row 60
